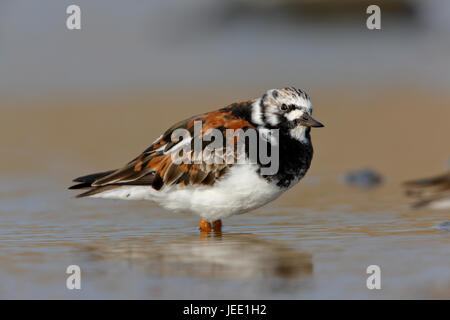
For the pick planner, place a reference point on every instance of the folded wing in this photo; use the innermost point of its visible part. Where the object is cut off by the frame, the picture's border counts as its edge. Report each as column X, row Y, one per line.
column 156, row 167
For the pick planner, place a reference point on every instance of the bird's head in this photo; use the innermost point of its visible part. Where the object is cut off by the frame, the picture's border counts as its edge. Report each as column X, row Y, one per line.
column 288, row 109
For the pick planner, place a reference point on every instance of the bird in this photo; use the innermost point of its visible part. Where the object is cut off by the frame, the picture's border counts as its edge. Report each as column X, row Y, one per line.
column 221, row 185
column 432, row 193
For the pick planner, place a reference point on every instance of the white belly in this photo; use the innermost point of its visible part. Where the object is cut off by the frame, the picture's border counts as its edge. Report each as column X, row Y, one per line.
column 239, row 191
column 441, row 204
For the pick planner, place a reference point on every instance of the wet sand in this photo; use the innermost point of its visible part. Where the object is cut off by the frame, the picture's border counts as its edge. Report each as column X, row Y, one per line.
column 316, row 241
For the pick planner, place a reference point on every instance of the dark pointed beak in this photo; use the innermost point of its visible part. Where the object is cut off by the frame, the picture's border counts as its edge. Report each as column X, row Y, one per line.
column 309, row 121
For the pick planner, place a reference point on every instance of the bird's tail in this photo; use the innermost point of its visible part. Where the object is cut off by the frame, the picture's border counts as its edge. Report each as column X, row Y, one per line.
column 85, row 182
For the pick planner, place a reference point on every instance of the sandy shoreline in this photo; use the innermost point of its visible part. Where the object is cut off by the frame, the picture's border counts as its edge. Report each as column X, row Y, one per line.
column 403, row 134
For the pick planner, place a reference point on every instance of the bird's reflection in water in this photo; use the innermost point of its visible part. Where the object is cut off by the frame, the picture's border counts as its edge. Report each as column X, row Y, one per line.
column 242, row 257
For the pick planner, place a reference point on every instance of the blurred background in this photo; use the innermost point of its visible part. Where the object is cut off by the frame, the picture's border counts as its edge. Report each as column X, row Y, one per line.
column 133, row 60
column 79, row 101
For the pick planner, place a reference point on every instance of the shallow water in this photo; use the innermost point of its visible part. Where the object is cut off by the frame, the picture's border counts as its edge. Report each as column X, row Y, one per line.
column 135, row 250
column 316, row 241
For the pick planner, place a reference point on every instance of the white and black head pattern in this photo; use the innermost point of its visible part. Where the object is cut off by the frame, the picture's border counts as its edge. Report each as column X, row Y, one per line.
column 288, row 109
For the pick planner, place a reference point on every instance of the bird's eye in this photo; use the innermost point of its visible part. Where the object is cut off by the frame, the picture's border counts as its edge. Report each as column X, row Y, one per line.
column 284, row 107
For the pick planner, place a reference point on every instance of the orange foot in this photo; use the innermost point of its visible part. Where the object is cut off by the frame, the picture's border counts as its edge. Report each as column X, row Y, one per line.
column 217, row 226
column 205, row 226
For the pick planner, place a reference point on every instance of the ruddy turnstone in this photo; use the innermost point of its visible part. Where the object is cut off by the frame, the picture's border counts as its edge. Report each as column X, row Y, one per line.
column 280, row 119
column 433, row 193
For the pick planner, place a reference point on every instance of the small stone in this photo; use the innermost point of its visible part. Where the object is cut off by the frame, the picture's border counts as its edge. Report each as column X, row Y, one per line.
column 365, row 178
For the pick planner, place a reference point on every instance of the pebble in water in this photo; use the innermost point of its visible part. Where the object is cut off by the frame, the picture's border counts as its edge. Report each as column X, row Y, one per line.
column 365, row 178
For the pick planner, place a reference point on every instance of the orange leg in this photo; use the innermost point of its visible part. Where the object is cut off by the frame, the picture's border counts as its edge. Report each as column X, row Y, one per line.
column 205, row 226
column 217, row 226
